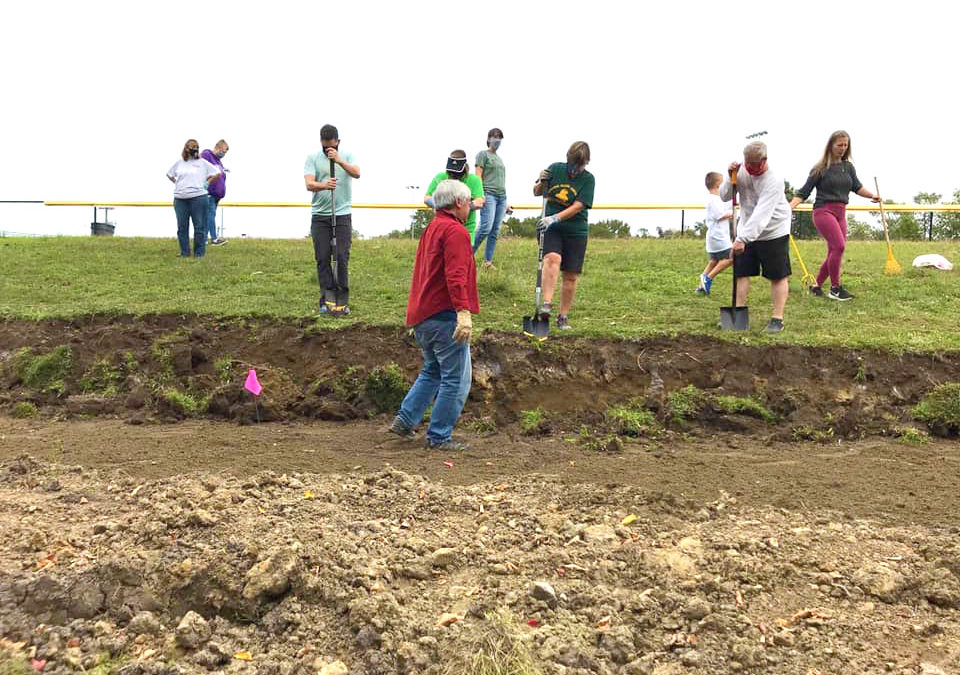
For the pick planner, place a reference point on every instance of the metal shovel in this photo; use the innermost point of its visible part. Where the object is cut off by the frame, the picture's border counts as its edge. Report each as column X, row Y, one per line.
column 733, row 317
column 537, row 326
column 331, row 296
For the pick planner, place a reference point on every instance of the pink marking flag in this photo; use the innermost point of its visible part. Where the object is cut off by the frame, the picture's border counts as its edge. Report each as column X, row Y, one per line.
column 252, row 384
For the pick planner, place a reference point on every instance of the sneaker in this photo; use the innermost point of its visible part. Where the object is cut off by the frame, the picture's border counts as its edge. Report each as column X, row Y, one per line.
column 488, row 265
column 341, row 310
column 839, row 293
column 563, row 323
column 707, row 283
column 775, row 325
column 701, row 290
column 401, row 429
column 449, row 444
column 324, row 308
column 219, row 241
column 546, row 308
column 817, row 291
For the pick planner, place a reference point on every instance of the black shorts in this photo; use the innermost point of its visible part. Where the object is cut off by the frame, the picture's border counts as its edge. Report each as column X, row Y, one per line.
column 773, row 255
column 572, row 250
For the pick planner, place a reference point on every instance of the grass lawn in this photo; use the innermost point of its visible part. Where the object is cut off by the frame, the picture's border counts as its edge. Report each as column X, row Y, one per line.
column 630, row 288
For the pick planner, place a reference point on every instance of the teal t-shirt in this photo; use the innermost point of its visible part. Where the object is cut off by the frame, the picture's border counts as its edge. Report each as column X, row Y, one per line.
column 476, row 190
column 562, row 191
column 494, row 173
column 318, row 165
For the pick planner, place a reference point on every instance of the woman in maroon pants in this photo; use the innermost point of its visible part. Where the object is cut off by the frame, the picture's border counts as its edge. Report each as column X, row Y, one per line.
column 834, row 179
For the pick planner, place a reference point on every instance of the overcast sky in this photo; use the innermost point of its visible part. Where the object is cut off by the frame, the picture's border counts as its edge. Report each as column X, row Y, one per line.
column 100, row 97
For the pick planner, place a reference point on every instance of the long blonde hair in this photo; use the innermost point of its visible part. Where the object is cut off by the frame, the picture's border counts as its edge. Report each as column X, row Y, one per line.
column 827, row 160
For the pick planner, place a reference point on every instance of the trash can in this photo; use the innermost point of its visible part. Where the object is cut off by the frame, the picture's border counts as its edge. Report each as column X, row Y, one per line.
column 102, row 229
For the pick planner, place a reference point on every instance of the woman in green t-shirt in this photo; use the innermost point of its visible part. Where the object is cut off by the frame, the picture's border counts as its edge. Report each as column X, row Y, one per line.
column 568, row 188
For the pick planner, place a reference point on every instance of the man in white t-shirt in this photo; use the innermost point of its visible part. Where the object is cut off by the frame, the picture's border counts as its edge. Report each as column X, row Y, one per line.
column 718, row 233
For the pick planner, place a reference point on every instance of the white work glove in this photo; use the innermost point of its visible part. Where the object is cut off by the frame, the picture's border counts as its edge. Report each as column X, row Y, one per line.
column 544, row 223
column 464, row 326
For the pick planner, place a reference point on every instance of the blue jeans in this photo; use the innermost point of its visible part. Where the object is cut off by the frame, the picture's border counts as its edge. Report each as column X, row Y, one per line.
column 491, row 215
column 444, row 380
column 212, row 216
column 194, row 208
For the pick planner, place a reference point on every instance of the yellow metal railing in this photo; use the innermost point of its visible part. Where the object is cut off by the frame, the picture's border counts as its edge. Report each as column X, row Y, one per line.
column 918, row 208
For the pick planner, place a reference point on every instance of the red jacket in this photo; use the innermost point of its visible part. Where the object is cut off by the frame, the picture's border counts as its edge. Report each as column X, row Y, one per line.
column 444, row 274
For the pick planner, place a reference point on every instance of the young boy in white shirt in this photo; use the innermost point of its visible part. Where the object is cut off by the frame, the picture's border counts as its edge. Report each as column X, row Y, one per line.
column 718, row 233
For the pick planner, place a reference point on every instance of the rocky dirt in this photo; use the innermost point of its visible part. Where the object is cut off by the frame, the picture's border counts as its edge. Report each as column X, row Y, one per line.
column 138, row 535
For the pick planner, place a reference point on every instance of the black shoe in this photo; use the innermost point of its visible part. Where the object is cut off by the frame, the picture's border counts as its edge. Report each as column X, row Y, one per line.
column 449, row 445
column 401, row 429
column 775, row 325
column 839, row 293
column 563, row 323
column 817, row 291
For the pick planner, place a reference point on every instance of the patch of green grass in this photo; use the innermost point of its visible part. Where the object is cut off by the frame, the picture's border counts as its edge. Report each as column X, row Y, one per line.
column 24, row 409
column 189, row 404
column 686, row 403
column 531, row 421
column 608, row 443
column 349, row 384
column 940, row 409
column 14, row 663
column 912, row 435
column 482, row 425
column 224, row 369
column 805, row 432
column 102, row 378
column 385, row 387
column 46, row 372
column 745, row 405
column 631, row 419
column 630, row 288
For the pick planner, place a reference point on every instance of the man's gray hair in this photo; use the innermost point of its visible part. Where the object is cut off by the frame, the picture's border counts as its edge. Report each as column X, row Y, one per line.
column 755, row 150
column 448, row 192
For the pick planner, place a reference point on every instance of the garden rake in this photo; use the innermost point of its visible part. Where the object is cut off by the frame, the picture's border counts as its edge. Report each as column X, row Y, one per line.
column 891, row 267
column 807, row 279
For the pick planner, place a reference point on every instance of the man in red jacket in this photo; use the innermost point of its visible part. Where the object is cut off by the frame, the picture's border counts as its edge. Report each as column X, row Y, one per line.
column 443, row 295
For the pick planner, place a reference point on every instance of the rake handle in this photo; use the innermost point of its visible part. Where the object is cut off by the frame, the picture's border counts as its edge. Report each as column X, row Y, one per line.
column 883, row 214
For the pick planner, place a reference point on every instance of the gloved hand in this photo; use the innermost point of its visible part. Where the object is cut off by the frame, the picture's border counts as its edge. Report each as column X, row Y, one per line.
column 545, row 175
column 544, row 223
column 464, row 326
column 431, row 203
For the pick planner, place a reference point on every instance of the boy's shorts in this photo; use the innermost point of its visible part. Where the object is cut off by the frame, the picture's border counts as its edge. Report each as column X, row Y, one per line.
column 772, row 255
column 720, row 255
column 572, row 250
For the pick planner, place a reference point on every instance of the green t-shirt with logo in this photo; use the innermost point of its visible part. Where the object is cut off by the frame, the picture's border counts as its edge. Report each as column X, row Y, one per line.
column 494, row 173
column 476, row 190
column 562, row 191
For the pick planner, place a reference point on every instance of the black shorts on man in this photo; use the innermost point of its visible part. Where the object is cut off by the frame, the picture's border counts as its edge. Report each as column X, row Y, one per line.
column 572, row 250
column 771, row 255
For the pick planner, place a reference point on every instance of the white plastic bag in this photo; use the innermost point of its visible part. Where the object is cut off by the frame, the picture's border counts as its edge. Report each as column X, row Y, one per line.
column 932, row 260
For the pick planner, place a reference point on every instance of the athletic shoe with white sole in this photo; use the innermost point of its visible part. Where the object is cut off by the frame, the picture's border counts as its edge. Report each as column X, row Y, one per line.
column 839, row 293
column 219, row 241
column 774, row 325
column 707, row 283
column 563, row 323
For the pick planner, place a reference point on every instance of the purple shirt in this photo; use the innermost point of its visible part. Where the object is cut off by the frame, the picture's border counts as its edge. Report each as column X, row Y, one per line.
column 218, row 187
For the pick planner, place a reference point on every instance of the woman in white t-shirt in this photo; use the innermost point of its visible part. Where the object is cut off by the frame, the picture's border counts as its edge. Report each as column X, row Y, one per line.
column 190, row 177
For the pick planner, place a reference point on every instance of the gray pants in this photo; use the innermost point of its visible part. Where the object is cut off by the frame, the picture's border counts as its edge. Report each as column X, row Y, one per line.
column 321, row 233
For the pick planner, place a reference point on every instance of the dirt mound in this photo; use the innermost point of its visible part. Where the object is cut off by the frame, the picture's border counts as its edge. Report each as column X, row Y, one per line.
column 174, row 367
column 389, row 572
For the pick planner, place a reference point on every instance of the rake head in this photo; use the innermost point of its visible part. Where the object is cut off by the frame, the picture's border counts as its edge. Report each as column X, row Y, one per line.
column 891, row 268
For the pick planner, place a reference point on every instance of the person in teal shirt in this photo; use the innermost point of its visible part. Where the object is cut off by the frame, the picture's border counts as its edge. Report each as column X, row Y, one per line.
column 458, row 169
column 568, row 188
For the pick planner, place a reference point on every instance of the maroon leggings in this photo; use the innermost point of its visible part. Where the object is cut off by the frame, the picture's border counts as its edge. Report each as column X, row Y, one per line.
column 831, row 222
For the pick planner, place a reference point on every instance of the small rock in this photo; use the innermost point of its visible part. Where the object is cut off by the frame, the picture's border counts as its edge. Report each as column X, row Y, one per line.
column 192, row 631
column 541, row 590
column 101, row 628
column 144, row 623
column 443, row 557
column 201, row 518
column 368, row 638
column 272, row 576
column 697, row 608
column 335, row 668
column 601, row 534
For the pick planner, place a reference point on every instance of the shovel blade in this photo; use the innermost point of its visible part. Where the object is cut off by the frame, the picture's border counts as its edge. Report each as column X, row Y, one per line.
column 734, row 318
column 537, row 326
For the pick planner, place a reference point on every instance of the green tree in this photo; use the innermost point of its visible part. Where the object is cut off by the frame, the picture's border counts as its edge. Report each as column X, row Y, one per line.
column 801, row 222
column 904, row 225
column 610, row 229
column 514, row 227
column 947, row 225
column 858, row 229
column 418, row 223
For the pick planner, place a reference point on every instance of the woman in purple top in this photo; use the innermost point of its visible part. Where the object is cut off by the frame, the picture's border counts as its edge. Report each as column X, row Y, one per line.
column 834, row 179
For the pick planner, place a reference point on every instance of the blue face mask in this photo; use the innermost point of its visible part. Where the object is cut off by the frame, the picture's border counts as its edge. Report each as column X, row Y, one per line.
column 494, row 143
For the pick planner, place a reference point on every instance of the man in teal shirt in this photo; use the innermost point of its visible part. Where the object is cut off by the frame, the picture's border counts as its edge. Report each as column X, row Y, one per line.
column 325, row 188
column 457, row 169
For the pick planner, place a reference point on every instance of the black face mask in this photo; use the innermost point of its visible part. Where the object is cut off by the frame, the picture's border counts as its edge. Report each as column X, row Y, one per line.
column 194, row 152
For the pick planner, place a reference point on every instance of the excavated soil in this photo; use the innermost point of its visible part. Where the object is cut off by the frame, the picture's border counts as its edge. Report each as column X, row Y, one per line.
column 147, row 532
